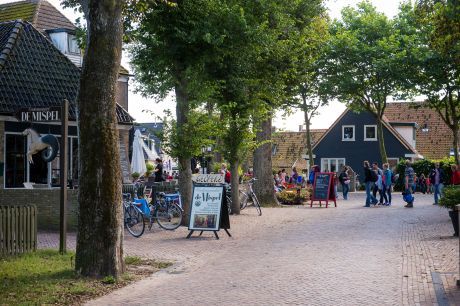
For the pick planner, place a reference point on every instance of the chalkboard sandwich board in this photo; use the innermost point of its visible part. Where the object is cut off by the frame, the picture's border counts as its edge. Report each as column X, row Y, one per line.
column 323, row 188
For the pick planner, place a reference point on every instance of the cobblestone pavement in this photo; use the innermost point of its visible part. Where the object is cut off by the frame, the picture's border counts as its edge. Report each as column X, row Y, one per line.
column 349, row 255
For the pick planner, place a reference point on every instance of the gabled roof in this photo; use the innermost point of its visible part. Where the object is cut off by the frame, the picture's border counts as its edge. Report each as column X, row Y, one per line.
column 386, row 124
column 40, row 13
column 33, row 73
column 434, row 143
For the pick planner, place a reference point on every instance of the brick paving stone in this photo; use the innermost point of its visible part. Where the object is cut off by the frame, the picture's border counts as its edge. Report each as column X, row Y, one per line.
column 347, row 255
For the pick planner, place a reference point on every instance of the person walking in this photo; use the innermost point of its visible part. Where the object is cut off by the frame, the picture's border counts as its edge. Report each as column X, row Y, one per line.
column 379, row 184
column 437, row 177
column 409, row 175
column 387, row 182
column 370, row 177
column 422, row 183
column 344, row 180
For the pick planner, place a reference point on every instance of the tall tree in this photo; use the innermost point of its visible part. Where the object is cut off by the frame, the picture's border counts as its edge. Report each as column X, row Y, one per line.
column 171, row 45
column 437, row 26
column 309, row 38
column 100, row 227
column 365, row 63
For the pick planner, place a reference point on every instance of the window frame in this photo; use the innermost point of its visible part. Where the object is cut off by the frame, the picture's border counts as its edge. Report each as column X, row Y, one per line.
column 329, row 163
column 365, row 136
column 71, row 138
column 343, row 132
column 69, row 38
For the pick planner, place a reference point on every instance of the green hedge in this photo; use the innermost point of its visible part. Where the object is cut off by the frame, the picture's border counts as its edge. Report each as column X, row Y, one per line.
column 450, row 197
column 424, row 166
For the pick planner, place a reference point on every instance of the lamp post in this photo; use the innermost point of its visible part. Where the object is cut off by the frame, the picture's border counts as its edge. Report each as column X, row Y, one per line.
column 203, row 161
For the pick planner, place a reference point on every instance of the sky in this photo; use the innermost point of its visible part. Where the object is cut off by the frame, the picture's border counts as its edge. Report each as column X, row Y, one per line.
column 141, row 108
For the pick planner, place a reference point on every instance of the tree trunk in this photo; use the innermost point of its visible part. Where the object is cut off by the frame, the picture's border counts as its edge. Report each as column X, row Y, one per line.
column 383, row 152
column 185, row 171
column 99, row 250
column 263, row 187
column 235, row 187
column 455, row 143
column 308, row 134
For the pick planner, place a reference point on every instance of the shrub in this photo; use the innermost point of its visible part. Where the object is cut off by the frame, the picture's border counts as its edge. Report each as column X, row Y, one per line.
column 451, row 197
column 423, row 166
column 292, row 196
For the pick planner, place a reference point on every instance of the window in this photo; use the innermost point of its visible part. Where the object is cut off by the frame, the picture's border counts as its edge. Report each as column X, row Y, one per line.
column 15, row 160
column 332, row 164
column 18, row 170
column 370, row 133
column 348, row 133
column 392, row 162
column 274, row 149
column 72, row 44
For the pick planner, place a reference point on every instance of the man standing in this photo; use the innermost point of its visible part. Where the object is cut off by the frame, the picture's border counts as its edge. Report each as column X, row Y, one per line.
column 409, row 182
column 369, row 183
column 437, row 177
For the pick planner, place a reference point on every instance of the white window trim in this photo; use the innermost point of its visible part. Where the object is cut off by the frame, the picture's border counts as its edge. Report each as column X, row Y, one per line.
column 329, row 162
column 370, row 139
column 343, row 132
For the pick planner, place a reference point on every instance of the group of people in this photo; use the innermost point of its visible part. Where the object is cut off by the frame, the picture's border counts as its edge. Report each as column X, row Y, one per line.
column 379, row 181
column 282, row 179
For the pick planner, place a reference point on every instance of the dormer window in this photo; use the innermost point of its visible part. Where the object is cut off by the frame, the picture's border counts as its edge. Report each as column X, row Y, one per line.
column 72, row 44
column 65, row 40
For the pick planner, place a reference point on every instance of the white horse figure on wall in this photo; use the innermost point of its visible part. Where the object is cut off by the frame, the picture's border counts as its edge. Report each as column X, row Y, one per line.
column 47, row 144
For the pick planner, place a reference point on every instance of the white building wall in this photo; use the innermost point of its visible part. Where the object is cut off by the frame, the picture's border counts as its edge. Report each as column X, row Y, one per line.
column 407, row 132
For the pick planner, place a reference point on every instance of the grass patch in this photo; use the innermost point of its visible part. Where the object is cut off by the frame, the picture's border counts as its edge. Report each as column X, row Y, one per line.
column 47, row 277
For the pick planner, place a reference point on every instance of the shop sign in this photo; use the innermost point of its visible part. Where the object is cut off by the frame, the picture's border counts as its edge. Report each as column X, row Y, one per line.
column 48, row 114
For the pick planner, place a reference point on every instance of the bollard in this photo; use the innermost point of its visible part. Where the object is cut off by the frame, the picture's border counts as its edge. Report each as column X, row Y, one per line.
column 457, row 210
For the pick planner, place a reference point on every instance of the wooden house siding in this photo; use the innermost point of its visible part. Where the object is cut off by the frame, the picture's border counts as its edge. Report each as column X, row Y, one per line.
column 355, row 152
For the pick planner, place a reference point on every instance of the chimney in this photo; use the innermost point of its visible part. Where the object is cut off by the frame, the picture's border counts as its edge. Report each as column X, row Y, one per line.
column 300, row 128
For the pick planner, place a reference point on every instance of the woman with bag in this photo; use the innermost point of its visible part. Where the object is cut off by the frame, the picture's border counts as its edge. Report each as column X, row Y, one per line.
column 344, row 180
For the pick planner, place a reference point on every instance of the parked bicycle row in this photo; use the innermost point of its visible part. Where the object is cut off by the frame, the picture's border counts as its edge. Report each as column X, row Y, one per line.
column 166, row 209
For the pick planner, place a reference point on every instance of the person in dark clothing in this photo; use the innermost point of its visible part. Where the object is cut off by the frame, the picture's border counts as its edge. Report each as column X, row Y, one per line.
column 369, row 183
column 344, row 180
column 437, row 178
column 158, row 172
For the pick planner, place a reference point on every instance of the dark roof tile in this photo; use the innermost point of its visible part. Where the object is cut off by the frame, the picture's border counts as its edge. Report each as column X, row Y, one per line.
column 33, row 73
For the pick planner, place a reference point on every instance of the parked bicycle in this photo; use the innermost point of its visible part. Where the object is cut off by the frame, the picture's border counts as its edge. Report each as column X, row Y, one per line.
column 246, row 197
column 133, row 216
column 166, row 210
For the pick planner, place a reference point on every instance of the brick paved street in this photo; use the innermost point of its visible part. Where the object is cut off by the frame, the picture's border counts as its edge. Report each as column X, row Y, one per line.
column 348, row 255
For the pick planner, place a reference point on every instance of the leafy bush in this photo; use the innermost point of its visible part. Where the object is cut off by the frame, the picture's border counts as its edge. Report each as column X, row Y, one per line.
column 292, row 196
column 423, row 166
column 135, row 175
column 451, row 197
column 150, row 168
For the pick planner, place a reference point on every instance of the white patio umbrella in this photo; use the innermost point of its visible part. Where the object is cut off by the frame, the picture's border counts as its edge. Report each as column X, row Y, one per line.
column 138, row 161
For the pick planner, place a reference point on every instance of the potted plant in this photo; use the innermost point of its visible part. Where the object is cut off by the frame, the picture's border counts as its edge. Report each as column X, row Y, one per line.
column 450, row 198
column 135, row 175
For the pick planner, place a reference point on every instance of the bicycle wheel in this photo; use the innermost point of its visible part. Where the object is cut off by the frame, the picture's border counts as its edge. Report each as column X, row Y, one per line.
column 134, row 221
column 243, row 200
column 256, row 204
column 169, row 216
